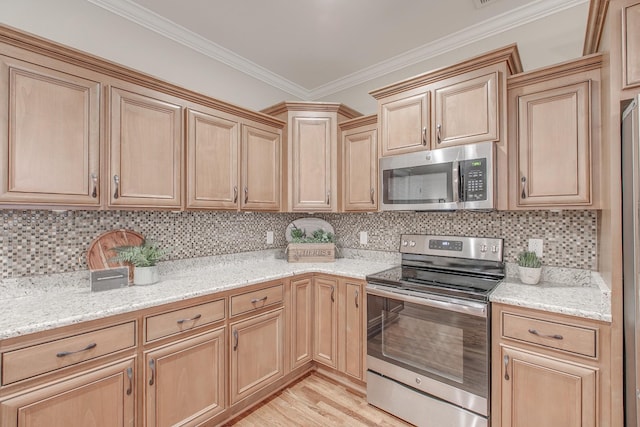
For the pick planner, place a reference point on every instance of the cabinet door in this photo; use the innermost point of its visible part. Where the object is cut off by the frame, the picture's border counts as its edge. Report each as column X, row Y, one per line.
column 404, row 124
column 540, row 391
column 100, row 398
column 554, row 146
column 360, row 162
column 261, row 161
column 325, row 333
column 354, row 330
column 314, row 158
column 212, row 161
column 257, row 355
column 145, row 144
column 301, row 322
column 50, row 143
column 631, row 45
column 185, row 381
column 467, row 111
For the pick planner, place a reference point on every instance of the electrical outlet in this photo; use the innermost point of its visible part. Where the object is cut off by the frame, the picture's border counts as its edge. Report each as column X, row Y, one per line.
column 535, row 245
column 364, row 238
column 269, row 237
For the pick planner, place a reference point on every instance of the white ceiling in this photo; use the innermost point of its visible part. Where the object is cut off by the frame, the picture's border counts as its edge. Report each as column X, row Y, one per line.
column 312, row 48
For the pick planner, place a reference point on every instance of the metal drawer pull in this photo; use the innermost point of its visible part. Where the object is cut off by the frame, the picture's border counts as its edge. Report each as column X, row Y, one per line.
column 257, row 300
column 152, row 366
column 130, row 376
column 235, row 194
column 373, row 201
column 524, row 181
column 424, row 136
column 246, row 195
column 555, row 337
column 67, row 353
column 506, row 367
column 235, row 339
column 333, row 291
column 439, row 133
column 196, row 317
column 357, row 295
column 116, row 182
column 94, row 178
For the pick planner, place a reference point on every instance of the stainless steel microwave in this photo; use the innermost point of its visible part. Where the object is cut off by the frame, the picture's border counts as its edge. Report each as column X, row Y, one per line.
column 460, row 177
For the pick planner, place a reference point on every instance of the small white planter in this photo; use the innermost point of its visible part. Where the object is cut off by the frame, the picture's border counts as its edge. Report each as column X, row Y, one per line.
column 145, row 275
column 529, row 276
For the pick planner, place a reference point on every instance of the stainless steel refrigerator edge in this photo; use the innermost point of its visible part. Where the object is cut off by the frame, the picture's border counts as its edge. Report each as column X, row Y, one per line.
column 631, row 255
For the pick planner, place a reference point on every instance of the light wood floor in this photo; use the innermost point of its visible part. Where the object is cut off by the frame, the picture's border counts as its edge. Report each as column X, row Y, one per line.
column 316, row 400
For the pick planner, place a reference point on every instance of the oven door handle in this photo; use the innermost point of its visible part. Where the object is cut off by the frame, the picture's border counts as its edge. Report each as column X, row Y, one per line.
column 459, row 306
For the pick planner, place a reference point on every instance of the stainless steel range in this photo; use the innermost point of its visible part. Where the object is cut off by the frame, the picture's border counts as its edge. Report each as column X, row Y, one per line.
column 428, row 343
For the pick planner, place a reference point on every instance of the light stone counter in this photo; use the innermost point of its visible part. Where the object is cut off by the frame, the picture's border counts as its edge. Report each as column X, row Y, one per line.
column 568, row 291
column 35, row 304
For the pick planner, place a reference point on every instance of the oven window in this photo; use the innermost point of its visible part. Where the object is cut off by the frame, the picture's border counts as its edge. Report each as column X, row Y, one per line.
column 420, row 184
column 445, row 345
column 407, row 337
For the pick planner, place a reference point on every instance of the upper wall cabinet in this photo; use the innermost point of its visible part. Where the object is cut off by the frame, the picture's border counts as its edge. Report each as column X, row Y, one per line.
column 145, row 149
column 404, row 122
column 261, row 166
column 213, row 164
column 631, row 44
column 359, row 154
column 466, row 110
column 50, row 143
column 311, row 153
column 554, row 122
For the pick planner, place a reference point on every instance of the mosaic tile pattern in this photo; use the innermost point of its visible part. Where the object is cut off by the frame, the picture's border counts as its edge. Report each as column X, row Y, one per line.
column 35, row 242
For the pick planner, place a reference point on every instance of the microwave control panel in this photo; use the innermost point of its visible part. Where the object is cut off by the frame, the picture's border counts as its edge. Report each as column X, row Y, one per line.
column 475, row 180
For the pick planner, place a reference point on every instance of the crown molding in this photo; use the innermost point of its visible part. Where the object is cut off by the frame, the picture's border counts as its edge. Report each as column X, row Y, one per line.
column 499, row 24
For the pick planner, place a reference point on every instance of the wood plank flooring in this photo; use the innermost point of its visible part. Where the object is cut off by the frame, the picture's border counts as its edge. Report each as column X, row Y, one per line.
column 316, row 401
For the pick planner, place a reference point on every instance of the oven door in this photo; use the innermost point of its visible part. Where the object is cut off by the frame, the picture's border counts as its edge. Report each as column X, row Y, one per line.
column 421, row 181
column 438, row 346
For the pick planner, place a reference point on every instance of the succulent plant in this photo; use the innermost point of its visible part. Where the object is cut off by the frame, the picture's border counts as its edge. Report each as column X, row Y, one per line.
column 145, row 255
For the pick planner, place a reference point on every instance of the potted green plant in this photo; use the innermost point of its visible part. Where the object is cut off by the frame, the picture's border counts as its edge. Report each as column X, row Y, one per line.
column 319, row 247
column 143, row 258
column 529, row 267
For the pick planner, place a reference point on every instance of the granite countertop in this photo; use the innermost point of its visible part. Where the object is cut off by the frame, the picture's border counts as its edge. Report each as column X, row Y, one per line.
column 568, row 291
column 39, row 303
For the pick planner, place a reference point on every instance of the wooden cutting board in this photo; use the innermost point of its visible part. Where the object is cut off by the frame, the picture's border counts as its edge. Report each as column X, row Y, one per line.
column 100, row 252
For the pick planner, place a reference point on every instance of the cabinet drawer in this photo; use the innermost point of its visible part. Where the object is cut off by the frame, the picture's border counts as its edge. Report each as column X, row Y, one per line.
column 256, row 299
column 41, row 358
column 574, row 339
column 185, row 319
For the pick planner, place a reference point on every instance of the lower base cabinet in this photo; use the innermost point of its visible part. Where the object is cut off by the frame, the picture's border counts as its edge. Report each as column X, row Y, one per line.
column 256, row 353
column 543, row 391
column 102, row 397
column 185, row 381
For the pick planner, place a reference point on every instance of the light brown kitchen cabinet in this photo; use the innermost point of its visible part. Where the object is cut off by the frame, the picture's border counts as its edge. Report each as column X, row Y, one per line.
column 548, row 369
column 185, row 380
column 311, row 153
column 466, row 110
column 631, row 44
column 404, row 122
column 353, row 328
column 213, row 148
column 145, row 149
column 256, row 347
column 50, row 143
column 260, row 168
column 102, row 397
column 359, row 164
column 325, row 315
column 554, row 127
column 301, row 322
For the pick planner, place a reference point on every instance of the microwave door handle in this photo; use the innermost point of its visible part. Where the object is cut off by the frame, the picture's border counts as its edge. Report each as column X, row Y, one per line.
column 455, row 181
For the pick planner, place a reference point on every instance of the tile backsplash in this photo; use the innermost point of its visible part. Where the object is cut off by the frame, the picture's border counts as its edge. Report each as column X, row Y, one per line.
column 35, row 242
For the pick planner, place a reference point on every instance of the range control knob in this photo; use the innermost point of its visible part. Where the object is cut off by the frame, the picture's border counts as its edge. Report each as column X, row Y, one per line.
column 418, row 380
column 412, row 243
column 494, row 249
column 405, row 243
column 483, row 248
